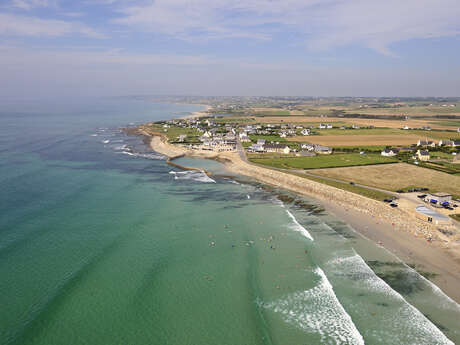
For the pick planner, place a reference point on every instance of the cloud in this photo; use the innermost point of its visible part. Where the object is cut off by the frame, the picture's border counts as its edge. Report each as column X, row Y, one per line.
column 319, row 24
column 16, row 25
column 30, row 4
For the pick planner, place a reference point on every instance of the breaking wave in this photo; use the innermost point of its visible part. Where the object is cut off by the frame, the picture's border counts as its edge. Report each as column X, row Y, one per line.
column 193, row 175
column 407, row 321
column 297, row 227
column 319, row 311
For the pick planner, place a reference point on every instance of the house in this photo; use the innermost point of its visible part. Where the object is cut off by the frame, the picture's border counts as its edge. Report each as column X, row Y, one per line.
column 355, row 127
column 308, row 147
column 328, row 126
column 305, row 131
column 277, row 148
column 261, row 142
column 426, row 143
column 445, row 142
column 458, row 129
column 283, row 134
column 207, row 134
column 406, row 127
column 426, row 128
column 182, row 137
column 244, row 137
column 322, row 126
column 456, row 143
column 256, row 148
column 389, row 152
column 423, row 155
column 323, row 150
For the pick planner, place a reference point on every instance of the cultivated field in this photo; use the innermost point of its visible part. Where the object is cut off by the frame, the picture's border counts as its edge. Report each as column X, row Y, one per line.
column 321, row 161
column 412, row 123
column 359, row 140
column 395, row 176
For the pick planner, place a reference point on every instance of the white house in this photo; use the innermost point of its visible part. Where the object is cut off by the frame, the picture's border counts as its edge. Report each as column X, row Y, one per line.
column 305, row 131
column 323, row 150
column 322, row 126
column 423, row 155
column 308, row 147
column 445, row 142
column 389, row 153
column 277, row 148
column 406, row 127
column 426, row 143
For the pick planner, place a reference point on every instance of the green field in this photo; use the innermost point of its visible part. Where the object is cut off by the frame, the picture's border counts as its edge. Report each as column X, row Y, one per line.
column 268, row 138
column 323, row 161
column 173, row 132
column 435, row 134
column 363, row 131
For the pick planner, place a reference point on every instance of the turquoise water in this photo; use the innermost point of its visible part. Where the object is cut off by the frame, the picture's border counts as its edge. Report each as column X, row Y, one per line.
column 101, row 242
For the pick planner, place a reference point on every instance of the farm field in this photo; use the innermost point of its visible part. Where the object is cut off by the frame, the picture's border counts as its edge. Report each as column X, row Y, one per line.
column 381, row 123
column 360, row 140
column 361, row 131
column 395, row 176
column 321, row 161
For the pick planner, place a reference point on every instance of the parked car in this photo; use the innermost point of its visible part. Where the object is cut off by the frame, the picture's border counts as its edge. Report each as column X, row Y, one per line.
column 421, row 196
column 352, row 183
column 393, row 205
column 400, row 191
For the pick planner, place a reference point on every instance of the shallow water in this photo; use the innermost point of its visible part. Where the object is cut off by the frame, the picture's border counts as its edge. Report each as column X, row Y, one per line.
column 101, row 242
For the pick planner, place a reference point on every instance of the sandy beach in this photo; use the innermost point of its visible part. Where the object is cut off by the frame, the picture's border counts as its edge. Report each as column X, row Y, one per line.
column 397, row 230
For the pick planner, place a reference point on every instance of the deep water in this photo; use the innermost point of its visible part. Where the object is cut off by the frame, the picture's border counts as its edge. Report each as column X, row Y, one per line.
column 101, row 242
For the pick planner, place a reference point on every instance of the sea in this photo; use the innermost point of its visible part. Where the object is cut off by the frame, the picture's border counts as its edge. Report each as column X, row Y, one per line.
column 102, row 242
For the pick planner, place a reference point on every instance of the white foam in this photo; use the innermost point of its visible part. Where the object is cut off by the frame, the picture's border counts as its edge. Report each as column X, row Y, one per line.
column 408, row 320
column 297, row 227
column 153, row 156
column 318, row 310
column 194, row 175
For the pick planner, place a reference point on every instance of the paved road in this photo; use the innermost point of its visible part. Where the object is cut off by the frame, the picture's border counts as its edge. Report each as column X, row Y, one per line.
column 240, row 150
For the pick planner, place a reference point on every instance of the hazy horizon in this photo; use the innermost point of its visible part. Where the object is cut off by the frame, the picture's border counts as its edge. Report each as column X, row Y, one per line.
column 315, row 48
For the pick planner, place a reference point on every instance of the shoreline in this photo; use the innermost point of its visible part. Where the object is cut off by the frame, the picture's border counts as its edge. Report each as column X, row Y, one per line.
column 369, row 218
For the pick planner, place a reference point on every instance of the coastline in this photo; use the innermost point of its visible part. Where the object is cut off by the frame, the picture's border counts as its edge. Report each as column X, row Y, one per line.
column 399, row 232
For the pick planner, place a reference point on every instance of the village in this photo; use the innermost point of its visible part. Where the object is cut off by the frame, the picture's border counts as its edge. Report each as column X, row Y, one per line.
column 221, row 136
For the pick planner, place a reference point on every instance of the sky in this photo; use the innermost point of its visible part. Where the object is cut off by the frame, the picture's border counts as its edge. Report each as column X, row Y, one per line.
column 58, row 48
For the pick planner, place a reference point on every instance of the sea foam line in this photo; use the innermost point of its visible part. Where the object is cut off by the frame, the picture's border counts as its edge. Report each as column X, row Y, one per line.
column 298, row 227
column 318, row 310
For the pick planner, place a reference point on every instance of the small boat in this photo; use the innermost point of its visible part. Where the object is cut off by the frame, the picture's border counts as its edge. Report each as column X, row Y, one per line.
column 106, row 141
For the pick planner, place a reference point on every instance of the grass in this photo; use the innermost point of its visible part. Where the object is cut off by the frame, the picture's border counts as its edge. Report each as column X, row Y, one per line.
column 453, row 123
column 455, row 216
column 268, row 138
column 435, row 134
column 369, row 193
column 323, row 161
column 393, row 177
column 273, row 113
column 364, row 131
column 173, row 133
